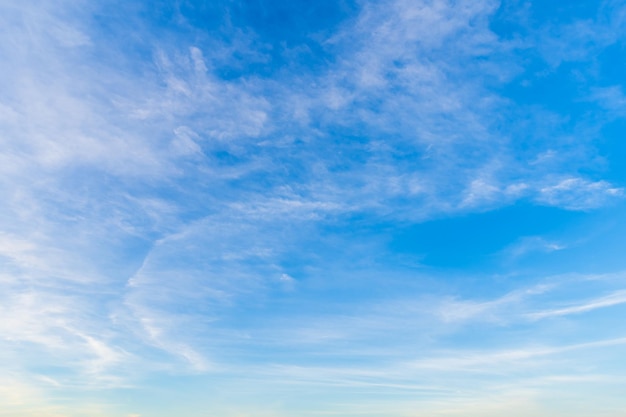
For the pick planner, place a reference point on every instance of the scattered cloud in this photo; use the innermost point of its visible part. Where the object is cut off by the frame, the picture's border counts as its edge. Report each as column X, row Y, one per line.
column 178, row 195
column 579, row 194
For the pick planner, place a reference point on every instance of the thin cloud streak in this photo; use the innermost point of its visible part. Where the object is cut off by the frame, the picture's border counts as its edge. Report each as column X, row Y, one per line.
column 617, row 298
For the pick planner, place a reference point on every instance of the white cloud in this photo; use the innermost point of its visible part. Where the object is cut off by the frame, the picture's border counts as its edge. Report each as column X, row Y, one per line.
column 143, row 204
column 480, row 192
column 612, row 98
column 616, row 298
column 532, row 244
column 579, row 194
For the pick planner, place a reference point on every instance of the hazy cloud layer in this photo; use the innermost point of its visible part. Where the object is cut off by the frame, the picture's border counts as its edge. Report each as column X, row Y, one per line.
column 195, row 191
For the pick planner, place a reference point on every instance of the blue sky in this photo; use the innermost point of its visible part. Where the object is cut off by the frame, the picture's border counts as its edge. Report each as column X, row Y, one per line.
column 270, row 208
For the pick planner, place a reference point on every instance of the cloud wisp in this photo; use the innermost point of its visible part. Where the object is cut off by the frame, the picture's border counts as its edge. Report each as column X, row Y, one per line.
column 193, row 192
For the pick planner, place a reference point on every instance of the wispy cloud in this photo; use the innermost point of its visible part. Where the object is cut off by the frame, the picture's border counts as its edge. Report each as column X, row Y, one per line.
column 490, row 361
column 616, row 298
column 579, row 194
column 530, row 244
column 171, row 196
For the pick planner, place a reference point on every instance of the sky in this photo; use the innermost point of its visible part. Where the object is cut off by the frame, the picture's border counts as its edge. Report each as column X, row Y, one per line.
column 271, row 208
